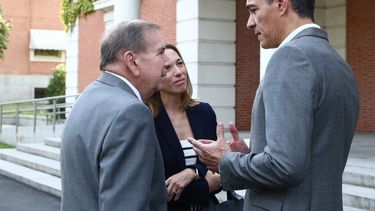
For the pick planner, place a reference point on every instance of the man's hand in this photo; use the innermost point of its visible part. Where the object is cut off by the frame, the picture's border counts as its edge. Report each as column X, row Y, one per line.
column 237, row 144
column 210, row 152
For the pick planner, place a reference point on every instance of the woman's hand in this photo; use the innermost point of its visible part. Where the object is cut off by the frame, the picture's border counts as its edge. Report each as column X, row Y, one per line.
column 213, row 180
column 177, row 182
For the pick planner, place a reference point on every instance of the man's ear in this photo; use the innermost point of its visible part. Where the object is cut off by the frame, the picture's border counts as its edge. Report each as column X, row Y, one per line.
column 130, row 63
column 282, row 6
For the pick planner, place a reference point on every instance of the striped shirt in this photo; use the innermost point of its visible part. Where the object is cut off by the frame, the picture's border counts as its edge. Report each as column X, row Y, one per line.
column 189, row 153
column 190, row 160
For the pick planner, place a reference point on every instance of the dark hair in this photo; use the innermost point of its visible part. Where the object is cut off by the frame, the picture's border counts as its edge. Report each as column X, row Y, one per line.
column 304, row 8
column 187, row 101
column 126, row 36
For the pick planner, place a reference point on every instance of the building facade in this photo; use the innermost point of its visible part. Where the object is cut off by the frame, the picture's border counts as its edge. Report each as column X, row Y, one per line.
column 36, row 45
column 223, row 57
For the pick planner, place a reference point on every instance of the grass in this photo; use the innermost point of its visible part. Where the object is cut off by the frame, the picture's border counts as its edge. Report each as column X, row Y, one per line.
column 3, row 145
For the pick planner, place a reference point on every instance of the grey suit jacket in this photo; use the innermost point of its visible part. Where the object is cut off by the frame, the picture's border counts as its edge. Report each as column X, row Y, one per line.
column 303, row 121
column 110, row 156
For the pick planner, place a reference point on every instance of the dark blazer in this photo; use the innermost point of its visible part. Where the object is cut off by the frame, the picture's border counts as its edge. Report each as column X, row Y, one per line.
column 303, row 121
column 202, row 120
column 110, row 156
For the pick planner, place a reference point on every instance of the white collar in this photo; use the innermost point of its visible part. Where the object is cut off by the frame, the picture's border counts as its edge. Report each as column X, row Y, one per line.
column 135, row 90
column 296, row 31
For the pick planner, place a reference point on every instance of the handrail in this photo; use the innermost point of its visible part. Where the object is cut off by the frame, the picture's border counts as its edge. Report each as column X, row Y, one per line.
column 55, row 110
column 39, row 99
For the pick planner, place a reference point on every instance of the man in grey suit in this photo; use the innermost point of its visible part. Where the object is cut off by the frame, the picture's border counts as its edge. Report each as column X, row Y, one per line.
column 110, row 156
column 303, row 118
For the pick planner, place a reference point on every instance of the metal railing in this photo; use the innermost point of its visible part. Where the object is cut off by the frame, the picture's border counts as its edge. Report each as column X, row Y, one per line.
column 50, row 109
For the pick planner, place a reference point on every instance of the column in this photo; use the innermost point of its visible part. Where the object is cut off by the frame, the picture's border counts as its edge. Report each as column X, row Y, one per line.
column 206, row 34
column 126, row 10
column 72, row 63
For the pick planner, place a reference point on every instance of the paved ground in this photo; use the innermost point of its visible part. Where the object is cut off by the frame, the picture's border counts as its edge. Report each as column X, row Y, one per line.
column 15, row 196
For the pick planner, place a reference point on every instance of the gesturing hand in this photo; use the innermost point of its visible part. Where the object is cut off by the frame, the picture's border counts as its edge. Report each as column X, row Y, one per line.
column 210, row 152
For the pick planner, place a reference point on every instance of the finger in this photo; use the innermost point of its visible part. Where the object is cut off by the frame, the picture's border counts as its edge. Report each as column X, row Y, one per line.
column 178, row 194
column 220, row 131
column 170, row 196
column 195, row 143
column 233, row 130
column 167, row 182
column 169, row 189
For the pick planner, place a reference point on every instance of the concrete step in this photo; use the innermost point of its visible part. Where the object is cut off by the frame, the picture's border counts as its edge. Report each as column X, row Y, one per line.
column 53, row 142
column 35, row 162
column 39, row 180
column 40, row 150
column 359, row 176
column 352, row 209
column 361, row 162
column 358, row 197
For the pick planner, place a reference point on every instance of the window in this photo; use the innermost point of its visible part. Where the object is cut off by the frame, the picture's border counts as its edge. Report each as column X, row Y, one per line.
column 51, row 53
column 39, row 92
column 47, row 45
column 41, row 55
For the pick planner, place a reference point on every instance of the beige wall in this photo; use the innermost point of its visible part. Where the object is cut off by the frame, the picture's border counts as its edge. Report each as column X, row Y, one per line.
column 331, row 15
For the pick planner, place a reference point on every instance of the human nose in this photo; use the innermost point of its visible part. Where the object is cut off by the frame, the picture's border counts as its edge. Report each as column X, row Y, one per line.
column 177, row 70
column 250, row 22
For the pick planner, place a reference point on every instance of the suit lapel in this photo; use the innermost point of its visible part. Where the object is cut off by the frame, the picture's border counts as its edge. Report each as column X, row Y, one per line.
column 170, row 136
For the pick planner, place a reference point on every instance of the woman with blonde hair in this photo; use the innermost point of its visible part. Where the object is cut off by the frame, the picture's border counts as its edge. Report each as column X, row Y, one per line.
column 178, row 116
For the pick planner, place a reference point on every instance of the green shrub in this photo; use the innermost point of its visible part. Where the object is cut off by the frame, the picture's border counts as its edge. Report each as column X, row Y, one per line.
column 56, row 87
column 56, row 84
column 4, row 33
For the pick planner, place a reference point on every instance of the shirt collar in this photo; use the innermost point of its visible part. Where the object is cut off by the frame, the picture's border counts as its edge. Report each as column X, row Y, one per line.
column 296, row 31
column 135, row 90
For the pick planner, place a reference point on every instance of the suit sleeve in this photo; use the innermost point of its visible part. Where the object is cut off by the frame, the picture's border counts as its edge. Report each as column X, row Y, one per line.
column 287, row 91
column 126, row 162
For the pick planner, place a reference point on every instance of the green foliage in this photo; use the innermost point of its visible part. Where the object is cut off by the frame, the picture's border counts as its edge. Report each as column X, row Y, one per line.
column 4, row 145
column 4, row 33
column 73, row 9
column 56, row 84
column 56, row 87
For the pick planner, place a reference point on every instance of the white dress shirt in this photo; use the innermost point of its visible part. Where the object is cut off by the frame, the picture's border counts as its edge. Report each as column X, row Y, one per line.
column 135, row 90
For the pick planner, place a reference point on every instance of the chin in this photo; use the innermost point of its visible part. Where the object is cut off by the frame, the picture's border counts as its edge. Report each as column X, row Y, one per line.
column 265, row 45
column 269, row 45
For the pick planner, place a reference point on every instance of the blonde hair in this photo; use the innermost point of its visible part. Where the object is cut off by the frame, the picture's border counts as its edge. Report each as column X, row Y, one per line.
column 154, row 102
